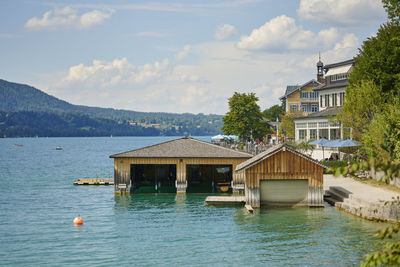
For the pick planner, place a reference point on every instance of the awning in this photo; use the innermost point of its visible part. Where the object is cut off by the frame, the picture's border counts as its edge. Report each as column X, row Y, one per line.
column 338, row 70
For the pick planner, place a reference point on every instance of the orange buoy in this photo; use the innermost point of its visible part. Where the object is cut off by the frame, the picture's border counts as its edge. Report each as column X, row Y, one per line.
column 78, row 220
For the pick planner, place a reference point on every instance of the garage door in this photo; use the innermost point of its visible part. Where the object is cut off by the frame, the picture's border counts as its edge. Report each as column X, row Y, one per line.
column 283, row 191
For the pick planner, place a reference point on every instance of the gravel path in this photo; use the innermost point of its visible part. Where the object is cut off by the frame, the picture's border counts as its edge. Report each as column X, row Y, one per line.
column 360, row 190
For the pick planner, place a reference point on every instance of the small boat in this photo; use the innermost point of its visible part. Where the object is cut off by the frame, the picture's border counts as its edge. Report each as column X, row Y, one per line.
column 59, row 148
column 17, row 144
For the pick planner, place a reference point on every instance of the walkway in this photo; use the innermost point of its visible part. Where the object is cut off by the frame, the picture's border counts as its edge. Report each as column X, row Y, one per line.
column 361, row 199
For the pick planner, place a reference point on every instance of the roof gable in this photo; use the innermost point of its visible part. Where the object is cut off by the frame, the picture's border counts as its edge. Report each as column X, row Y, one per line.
column 185, row 147
column 272, row 151
column 339, row 64
column 290, row 89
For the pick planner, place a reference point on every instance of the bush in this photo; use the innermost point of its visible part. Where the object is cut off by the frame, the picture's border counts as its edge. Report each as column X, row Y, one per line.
column 335, row 164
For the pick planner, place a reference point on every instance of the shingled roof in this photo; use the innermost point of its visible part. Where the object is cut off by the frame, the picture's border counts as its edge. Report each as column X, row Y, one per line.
column 271, row 151
column 290, row 89
column 330, row 111
column 185, row 147
column 324, row 86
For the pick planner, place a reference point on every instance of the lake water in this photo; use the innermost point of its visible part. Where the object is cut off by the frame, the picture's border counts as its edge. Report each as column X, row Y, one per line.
column 38, row 203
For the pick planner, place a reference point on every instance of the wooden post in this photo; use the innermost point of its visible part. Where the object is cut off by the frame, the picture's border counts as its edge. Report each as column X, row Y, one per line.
column 181, row 181
column 252, row 196
column 122, row 178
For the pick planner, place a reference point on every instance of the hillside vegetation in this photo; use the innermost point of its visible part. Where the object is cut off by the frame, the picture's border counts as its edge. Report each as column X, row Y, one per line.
column 27, row 111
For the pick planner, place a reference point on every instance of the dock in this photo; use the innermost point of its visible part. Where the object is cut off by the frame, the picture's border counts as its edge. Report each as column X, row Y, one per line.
column 225, row 200
column 99, row 181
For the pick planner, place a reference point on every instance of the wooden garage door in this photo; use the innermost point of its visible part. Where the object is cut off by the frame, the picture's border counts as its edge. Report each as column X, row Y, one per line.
column 283, row 191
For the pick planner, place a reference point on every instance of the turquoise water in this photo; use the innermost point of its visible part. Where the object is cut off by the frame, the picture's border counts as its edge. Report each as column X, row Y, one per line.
column 38, row 204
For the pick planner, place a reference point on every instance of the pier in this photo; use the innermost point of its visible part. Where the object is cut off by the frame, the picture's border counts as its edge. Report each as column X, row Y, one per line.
column 225, row 200
column 99, row 181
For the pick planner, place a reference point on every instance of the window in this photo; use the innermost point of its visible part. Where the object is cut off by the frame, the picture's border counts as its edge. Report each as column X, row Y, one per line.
column 293, row 107
column 327, row 101
column 304, row 108
column 302, row 134
column 341, row 98
column 312, row 125
column 314, row 95
column 334, row 100
column 320, row 101
column 323, row 124
column 303, row 94
column 314, row 108
column 313, row 133
column 339, row 77
column 335, row 134
column 323, row 133
column 301, row 125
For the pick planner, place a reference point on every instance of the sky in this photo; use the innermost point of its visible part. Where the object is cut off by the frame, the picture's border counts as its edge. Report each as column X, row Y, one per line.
column 177, row 56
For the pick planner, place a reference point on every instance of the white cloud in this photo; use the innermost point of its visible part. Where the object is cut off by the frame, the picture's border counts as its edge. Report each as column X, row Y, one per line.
column 103, row 74
column 182, row 55
column 67, row 17
column 342, row 11
column 225, row 31
column 343, row 50
column 281, row 34
column 191, row 96
column 202, row 85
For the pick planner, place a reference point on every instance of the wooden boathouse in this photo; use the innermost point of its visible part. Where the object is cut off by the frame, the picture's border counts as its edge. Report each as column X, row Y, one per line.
column 181, row 165
column 282, row 176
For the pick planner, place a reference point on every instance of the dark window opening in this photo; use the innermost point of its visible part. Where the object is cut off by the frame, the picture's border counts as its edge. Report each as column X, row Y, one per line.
column 153, row 178
column 208, row 178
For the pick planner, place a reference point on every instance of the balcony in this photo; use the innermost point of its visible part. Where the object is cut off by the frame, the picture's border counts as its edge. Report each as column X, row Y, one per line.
column 309, row 100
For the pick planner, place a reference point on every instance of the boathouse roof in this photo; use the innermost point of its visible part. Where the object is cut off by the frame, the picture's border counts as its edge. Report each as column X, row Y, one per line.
column 271, row 151
column 185, row 147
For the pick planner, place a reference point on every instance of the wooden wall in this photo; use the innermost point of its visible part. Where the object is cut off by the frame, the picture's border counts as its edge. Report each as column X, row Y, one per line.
column 122, row 169
column 286, row 165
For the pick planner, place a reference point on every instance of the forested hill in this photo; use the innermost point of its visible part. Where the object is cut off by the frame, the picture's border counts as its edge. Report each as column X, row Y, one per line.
column 19, row 97
column 21, row 104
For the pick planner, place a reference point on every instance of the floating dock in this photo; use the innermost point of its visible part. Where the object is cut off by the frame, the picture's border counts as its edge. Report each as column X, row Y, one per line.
column 99, row 181
column 225, row 200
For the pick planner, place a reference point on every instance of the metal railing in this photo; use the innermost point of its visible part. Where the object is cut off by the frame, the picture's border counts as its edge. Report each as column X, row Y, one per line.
column 248, row 147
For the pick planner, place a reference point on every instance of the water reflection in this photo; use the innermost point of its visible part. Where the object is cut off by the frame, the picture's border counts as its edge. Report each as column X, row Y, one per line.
column 311, row 235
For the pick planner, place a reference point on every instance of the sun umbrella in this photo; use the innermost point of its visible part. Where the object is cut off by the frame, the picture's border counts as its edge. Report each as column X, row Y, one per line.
column 217, row 138
column 349, row 143
column 332, row 143
column 319, row 141
column 233, row 137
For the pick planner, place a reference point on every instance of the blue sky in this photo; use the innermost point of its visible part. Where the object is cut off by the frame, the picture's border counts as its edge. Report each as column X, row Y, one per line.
column 177, row 56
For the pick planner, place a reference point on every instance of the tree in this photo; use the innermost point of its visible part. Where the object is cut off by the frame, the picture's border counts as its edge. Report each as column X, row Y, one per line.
column 392, row 7
column 379, row 60
column 286, row 127
column 276, row 111
column 244, row 117
column 375, row 80
column 363, row 101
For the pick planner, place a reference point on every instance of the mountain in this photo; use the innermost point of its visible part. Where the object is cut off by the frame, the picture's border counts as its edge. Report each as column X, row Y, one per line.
column 24, row 107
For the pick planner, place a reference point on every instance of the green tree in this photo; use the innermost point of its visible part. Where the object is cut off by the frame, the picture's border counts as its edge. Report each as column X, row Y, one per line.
column 276, row 111
column 244, row 117
column 375, row 80
column 379, row 60
column 286, row 127
column 363, row 101
column 392, row 7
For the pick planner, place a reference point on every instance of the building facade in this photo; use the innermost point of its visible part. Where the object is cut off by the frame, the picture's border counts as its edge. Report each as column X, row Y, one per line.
column 331, row 94
column 302, row 97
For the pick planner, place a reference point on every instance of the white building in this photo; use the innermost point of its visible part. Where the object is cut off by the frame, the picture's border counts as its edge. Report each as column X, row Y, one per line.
column 332, row 91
